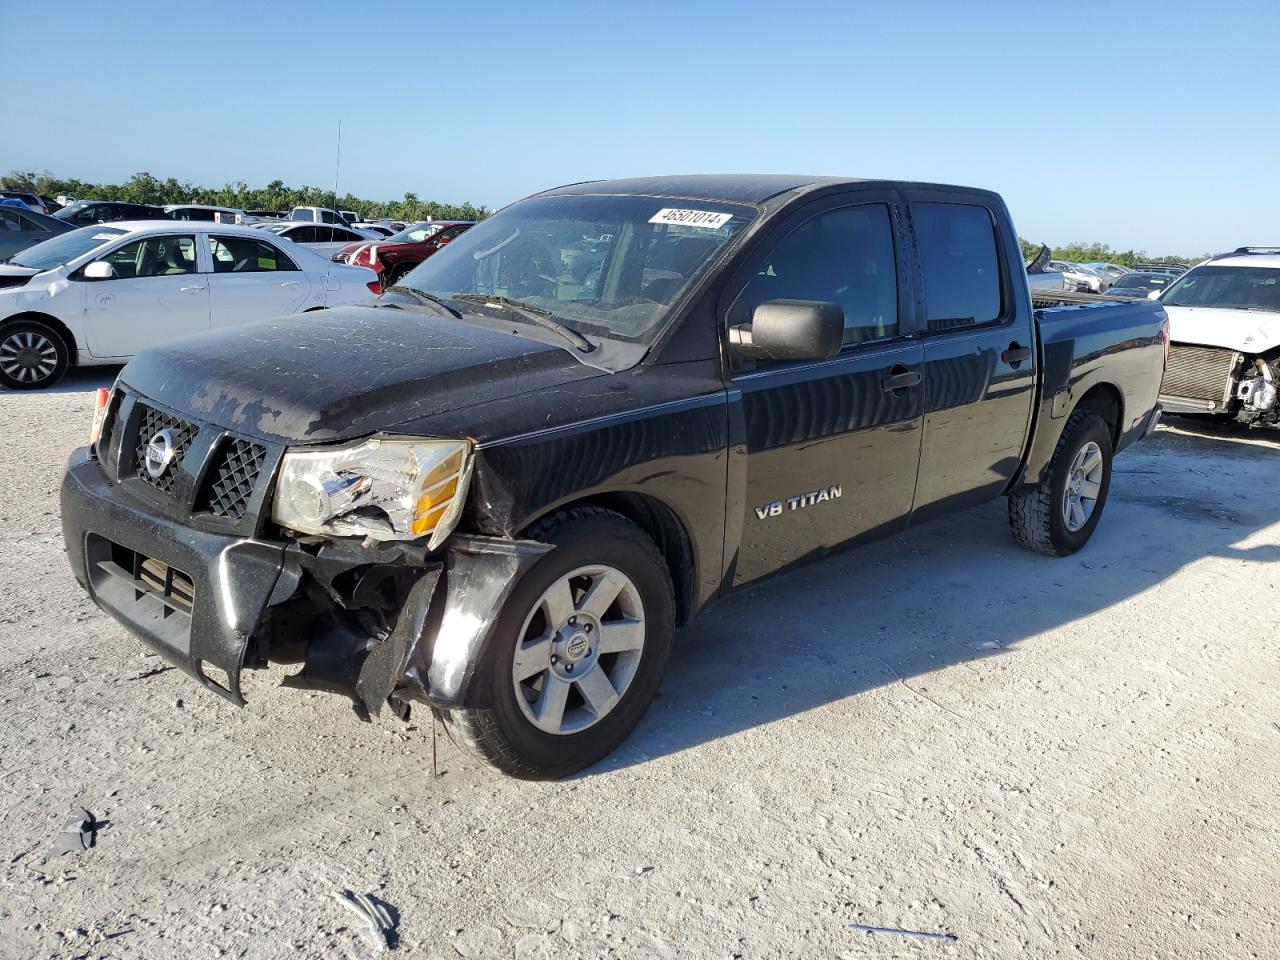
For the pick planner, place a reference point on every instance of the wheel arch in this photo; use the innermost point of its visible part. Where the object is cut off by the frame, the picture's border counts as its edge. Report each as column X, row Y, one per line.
column 1108, row 402
column 1101, row 397
column 58, row 327
column 662, row 525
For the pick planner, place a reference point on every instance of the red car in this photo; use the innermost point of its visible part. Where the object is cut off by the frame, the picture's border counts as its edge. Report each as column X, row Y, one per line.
column 395, row 256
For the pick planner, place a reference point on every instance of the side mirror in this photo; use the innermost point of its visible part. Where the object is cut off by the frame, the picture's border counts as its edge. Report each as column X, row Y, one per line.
column 791, row 330
column 1154, row 294
column 99, row 270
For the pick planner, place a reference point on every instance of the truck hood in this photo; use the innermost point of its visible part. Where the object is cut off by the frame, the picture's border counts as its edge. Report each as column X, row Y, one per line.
column 1249, row 331
column 344, row 373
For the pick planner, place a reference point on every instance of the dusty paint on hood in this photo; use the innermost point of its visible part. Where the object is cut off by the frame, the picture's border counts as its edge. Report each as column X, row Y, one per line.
column 344, row 373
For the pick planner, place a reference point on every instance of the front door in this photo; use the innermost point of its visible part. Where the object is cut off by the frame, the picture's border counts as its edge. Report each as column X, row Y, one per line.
column 827, row 451
column 157, row 294
column 252, row 280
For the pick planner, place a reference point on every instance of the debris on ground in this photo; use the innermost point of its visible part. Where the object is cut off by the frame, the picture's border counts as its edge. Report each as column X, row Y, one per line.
column 904, row 933
column 376, row 923
column 76, row 836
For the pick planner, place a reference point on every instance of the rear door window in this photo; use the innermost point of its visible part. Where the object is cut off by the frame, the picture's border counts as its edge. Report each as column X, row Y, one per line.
column 247, row 255
column 961, row 264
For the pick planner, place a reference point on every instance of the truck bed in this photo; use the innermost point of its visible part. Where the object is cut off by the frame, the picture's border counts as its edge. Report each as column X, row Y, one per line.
column 1087, row 340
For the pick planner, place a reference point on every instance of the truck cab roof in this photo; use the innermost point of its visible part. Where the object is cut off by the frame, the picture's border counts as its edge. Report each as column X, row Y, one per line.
column 751, row 188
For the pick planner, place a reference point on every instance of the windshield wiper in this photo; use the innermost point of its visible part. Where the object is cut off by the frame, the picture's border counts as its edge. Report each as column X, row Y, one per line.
column 426, row 298
column 535, row 315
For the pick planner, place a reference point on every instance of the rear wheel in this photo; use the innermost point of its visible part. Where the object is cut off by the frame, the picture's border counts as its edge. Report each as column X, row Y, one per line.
column 32, row 355
column 1059, row 515
column 577, row 652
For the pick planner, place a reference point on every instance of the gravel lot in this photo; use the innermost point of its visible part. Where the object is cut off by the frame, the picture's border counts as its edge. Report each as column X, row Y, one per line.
column 940, row 733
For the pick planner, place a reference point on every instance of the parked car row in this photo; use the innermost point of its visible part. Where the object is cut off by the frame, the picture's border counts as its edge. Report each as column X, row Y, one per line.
column 26, row 222
column 31, row 201
column 98, row 295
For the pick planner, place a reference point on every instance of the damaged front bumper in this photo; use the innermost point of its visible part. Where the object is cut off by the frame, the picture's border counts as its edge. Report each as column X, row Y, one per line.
column 382, row 624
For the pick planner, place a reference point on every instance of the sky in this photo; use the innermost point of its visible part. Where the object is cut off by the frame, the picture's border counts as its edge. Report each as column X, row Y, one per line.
column 1152, row 126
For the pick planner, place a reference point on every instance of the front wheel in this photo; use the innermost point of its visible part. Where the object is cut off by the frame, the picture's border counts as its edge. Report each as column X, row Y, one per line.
column 1059, row 515
column 397, row 273
column 577, row 652
column 32, row 355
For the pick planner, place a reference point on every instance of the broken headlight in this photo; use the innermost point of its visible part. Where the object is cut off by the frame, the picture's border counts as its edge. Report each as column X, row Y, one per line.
column 385, row 489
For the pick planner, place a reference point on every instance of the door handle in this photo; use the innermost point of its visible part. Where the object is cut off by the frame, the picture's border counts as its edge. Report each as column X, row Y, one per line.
column 289, row 283
column 191, row 289
column 899, row 378
column 1015, row 354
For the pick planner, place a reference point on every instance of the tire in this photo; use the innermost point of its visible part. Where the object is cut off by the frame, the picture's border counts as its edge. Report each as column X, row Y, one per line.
column 505, row 734
column 1043, row 519
column 32, row 355
column 397, row 273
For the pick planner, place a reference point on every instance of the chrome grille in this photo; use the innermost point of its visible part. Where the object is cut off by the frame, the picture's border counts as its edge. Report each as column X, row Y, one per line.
column 153, row 421
column 1199, row 373
column 233, row 478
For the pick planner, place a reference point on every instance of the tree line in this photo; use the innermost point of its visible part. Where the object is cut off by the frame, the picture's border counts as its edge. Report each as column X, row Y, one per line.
column 144, row 188
column 1102, row 253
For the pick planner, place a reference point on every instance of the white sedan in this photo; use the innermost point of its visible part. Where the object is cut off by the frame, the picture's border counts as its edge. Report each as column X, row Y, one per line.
column 100, row 294
column 323, row 238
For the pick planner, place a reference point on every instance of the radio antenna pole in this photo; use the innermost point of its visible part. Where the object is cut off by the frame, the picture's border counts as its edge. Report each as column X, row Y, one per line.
column 337, row 167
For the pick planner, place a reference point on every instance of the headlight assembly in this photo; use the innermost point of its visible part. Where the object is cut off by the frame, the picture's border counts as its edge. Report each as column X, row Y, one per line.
column 386, row 489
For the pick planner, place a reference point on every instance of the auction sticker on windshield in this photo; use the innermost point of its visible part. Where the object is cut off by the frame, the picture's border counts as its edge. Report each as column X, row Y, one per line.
column 706, row 219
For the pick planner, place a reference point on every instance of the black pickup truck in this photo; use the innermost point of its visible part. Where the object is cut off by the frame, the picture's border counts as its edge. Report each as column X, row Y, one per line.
column 498, row 489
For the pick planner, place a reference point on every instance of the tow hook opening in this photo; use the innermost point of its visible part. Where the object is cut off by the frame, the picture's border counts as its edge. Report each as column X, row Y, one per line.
column 393, row 627
column 350, row 627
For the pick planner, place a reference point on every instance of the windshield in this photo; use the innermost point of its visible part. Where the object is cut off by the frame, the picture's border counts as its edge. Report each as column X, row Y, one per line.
column 68, row 246
column 417, row 232
column 1242, row 288
column 66, row 213
column 607, row 266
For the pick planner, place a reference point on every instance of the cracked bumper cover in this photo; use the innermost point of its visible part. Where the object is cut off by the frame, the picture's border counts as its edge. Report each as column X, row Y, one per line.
column 424, row 645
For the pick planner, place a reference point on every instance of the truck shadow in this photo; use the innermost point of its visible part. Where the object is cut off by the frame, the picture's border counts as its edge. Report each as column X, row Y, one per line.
column 955, row 591
column 1214, row 428
column 77, row 380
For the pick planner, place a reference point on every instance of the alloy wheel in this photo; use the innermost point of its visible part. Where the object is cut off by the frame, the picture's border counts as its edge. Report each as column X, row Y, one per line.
column 28, row 357
column 1084, row 484
column 579, row 649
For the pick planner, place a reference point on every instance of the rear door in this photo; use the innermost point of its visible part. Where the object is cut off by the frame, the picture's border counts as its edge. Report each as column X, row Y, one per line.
column 979, row 350
column 826, row 452
column 252, row 279
column 17, row 232
column 158, row 293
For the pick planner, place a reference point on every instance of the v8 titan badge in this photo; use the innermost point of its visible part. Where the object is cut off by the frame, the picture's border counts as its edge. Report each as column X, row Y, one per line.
column 799, row 502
